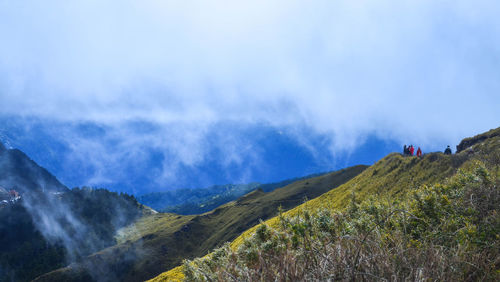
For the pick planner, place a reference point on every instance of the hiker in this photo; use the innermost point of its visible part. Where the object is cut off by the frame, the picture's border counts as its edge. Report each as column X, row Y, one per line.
column 411, row 150
column 419, row 152
column 447, row 151
column 405, row 150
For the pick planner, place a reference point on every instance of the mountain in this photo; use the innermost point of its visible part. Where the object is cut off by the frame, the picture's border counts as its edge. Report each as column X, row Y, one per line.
column 402, row 218
column 485, row 138
column 45, row 226
column 162, row 241
column 197, row 201
column 19, row 172
column 268, row 187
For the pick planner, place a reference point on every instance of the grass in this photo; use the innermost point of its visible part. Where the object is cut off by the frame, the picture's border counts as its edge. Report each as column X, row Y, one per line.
column 392, row 176
column 152, row 224
column 141, row 249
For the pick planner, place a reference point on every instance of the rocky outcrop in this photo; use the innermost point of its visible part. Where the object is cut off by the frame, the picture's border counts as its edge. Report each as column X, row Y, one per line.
column 469, row 142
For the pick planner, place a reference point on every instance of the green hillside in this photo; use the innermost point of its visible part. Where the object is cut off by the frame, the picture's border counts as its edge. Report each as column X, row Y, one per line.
column 161, row 241
column 389, row 184
column 42, row 232
column 195, row 201
column 201, row 200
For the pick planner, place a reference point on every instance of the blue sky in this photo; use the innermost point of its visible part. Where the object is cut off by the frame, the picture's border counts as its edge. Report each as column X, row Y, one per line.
column 140, row 96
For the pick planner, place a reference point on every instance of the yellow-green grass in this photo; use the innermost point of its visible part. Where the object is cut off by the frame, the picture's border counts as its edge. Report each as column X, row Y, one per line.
column 448, row 231
column 151, row 224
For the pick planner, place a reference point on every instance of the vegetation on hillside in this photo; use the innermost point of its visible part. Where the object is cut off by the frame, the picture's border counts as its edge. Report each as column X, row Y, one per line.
column 198, row 201
column 468, row 143
column 446, row 232
column 394, row 177
column 161, row 241
column 45, row 231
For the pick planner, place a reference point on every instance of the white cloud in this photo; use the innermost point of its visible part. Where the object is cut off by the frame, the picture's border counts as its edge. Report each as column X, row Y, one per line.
column 404, row 70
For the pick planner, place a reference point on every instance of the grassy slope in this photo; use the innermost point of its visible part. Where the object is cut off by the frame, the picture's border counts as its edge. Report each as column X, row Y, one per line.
column 195, row 201
column 442, row 232
column 161, row 241
column 393, row 176
column 198, row 201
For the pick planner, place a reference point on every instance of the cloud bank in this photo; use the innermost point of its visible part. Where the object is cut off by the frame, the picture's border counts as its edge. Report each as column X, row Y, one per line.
column 425, row 71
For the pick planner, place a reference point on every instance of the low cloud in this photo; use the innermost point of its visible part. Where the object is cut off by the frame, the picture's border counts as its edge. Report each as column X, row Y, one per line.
column 164, row 75
column 56, row 222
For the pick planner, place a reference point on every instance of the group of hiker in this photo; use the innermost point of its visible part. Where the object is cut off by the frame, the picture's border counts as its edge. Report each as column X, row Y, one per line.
column 409, row 150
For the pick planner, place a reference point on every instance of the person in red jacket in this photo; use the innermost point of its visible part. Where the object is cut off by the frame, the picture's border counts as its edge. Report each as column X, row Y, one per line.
column 419, row 152
column 411, row 150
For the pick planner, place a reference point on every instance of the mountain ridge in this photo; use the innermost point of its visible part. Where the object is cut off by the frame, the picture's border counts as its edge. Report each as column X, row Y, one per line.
column 195, row 201
column 19, row 172
column 201, row 200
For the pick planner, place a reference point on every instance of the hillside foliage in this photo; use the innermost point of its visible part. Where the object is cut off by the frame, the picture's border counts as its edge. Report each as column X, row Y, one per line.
column 445, row 232
column 27, row 250
column 161, row 241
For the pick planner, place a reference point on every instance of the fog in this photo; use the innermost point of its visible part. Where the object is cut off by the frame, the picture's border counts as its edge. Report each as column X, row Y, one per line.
column 424, row 72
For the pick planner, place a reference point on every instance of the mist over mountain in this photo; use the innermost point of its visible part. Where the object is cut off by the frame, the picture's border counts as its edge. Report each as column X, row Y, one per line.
column 95, row 155
column 163, row 240
column 44, row 225
column 87, row 234
column 218, row 115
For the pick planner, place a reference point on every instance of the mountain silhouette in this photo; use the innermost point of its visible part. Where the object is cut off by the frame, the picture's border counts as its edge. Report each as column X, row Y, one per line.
column 18, row 172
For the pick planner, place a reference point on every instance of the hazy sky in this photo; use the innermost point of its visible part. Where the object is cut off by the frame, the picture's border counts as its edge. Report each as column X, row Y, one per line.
column 170, row 84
